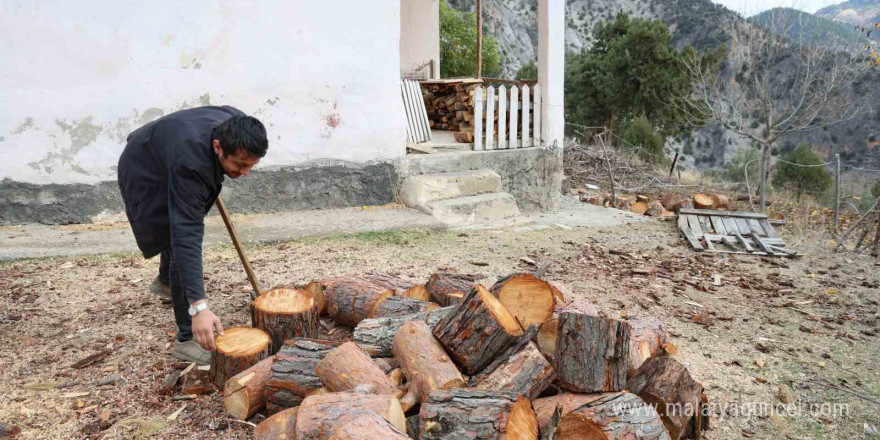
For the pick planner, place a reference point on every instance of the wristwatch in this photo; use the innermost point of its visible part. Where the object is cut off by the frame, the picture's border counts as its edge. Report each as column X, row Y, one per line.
column 194, row 310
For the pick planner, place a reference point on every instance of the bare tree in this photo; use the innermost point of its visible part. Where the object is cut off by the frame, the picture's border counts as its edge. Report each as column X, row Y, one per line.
column 772, row 85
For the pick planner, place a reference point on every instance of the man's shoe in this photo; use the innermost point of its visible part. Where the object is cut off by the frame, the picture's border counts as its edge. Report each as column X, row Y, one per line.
column 161, row 289
column 191, row 351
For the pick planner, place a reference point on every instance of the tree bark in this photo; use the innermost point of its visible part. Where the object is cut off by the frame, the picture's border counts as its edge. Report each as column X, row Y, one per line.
column 545, row 406
column 526, row 372
column 280, row 426
column 293, row 372
column 467, row 414
column 547, row 333
column 412, row 427
column 321, row 415
column 477, row 330
column 592, row 353
column 286, row 314
column 530, row 300
column 402, row 306
column 346, row 367
column 243, row 394
column 350, row 300
column 237, row 350
column 448, row 289
column 666, row 384
column 646, row 340
column 376, row 334
column 388, row 281
column 620, row 417
column 425, row 364
column 369, row 427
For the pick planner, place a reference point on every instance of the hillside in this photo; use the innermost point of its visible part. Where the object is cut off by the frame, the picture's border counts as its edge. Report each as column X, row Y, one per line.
column 806, row 28
column 854, row 12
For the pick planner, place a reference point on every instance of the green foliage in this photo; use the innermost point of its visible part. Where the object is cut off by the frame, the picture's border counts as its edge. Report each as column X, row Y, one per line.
column 799, row 178
column 528, row 71
column 458, row 45
column 640, row 133
column 734, row 171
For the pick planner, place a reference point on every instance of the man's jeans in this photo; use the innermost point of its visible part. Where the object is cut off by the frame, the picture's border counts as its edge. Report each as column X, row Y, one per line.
column 169, row 275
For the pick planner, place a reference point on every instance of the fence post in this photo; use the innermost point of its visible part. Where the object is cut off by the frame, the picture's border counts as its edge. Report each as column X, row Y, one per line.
column 836, row 193
column 478, row 119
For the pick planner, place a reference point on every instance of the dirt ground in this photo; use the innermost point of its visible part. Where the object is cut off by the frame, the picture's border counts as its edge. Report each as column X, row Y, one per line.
column 802, row 332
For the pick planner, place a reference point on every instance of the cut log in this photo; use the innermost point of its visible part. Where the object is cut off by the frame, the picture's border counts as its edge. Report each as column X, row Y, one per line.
column 346, row 367
column 412, row 427
column 320, row 416
column 243, row 394
column 720, row 202
column 666, row 384
column 369, row 427
column 376, row 334
column 388, row 281
column 417, row 292
column 639, row 208
column 592, row 353
column 560, row 291
column 547, row 333
column 238, row 348
column 671, row 201
column 285, row 314
column 655, row 208
column 700, row 421
column 436, row 315
column 702, row 201
column 293, row 372
column 530, row 300
column 467, row 414
column 620, row 417
column 280, row 426
column 646, row 340
column 545, row 406
column 387, row 364
column 316, row 289
column 441, row 285
column 477, row 330
column 350, row 299
column 642, row 198
column 402, row 306
column 426, row 365
column 525, row 372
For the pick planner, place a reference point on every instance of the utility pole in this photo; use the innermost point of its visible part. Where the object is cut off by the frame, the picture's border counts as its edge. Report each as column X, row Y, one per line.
column 836, row 193
column 479, row 38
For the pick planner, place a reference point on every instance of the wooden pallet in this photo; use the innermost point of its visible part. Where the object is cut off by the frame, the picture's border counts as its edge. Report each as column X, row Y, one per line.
column 731, row 232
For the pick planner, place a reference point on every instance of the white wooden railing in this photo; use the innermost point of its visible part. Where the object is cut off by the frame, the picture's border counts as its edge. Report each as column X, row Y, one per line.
column 515, row 115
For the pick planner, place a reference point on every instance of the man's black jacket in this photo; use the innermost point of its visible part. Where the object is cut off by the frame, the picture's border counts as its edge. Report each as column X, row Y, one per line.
column 169, row 177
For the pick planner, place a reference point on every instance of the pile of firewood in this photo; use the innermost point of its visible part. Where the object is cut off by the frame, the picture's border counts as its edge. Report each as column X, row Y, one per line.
column 451, row 359
column 664, row 206
column 450, row 105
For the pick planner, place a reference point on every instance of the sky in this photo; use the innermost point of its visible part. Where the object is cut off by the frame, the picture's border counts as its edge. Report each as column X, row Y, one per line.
column 752, row 7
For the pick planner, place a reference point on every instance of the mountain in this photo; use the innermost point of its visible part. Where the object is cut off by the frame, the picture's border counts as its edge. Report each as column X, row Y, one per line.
column 854, row 12
column 806, row 28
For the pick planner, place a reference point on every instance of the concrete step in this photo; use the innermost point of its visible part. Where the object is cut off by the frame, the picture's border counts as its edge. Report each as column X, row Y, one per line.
column 471, row 209
column 421, row 189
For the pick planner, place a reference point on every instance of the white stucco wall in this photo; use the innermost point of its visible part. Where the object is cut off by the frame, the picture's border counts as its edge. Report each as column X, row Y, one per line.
column 77, row 77
column 419, row 34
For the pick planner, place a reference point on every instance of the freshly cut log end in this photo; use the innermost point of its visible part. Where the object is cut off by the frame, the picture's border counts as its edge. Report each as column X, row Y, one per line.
column 646, row 340
column 547, row 333
column 293, row 372
column 243, row 394
column 545, row 406
column 321, row 415
column 443, row 285
column 350, row 300
column 280, row 426
column 720, row 202
column 655, row 208
column 316, row 289
column 622, row 417
column 672, row 201
column 667, row 385
column 525, row 372
column 346, row 367
column 417, row 292
column 369, row 427
column 702, row 201
column 477, row 330
column 592, row 353
column 529, row 299
column 426, row 365
column 238, row 348
column 639, row 208
column 474, row 414
column 402, row 306
column 285, row 314
column 560, row 291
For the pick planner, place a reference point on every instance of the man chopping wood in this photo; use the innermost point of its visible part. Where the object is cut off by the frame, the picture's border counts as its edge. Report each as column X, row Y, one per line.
column 170, row 175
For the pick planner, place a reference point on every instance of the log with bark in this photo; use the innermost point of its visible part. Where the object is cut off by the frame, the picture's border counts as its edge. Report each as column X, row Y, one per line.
column 703, row 201
column 667, row 385
column 238, row 348
column 466, row 414
column 316, row 289
column 525, row 372
column 376, row 334
column 369, row 427
column 647, row 338
column 425, row 364
column 547, row 333
column 448, row 289
column 477, row 330
column 243, row 394
column 545, row 406
column 350, row 299
column 529, row 299
column 412, row 427
column 402, row 306
column 592, row 353
column 286, row 314
column 655, row 208
column 321, row 415
column 293, row 373
column 388, row 281
column 348, row 366
column 280, row 426
column 623, row 416
column 639, row 208
column 720, row 202
column 417, row 292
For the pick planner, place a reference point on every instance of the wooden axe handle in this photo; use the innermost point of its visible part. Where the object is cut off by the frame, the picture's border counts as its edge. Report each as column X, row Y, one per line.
column 238, row 248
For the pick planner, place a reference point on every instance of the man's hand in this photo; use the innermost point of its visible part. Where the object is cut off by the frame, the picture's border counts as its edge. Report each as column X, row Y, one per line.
column 204, row 325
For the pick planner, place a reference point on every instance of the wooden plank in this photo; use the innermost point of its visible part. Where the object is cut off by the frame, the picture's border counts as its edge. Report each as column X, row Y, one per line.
column 420, row 148
column 688, row 235
column 537, row 135
column 770, row 241
column 743, row 225
column 502, row 117
column 694, row 223
column 709, row 245
column 730, row 241
column 744, row 243
column 526, row 141
column 768, row 229
column 705, row 223
column 490, row 118
column 514, row 129
column 753, row 215
column 718, row 225
column 756, row 228
column 730, row 225
column 478, row 119
column 761, row 244
column 783, row 250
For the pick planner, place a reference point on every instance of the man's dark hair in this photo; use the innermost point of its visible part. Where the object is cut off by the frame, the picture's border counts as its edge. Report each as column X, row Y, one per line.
column 242, row 132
